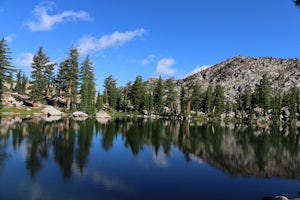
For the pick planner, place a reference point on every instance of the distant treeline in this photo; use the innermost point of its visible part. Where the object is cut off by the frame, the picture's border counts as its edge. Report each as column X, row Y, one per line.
column 73, row 88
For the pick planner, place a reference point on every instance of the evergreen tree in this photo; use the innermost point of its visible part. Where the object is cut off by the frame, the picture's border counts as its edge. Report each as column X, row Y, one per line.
column 148, row 101
column 246, row 99
column 262, row 95
column 158, row 95
column 21, row 82
column 196, row 97
column 41, row 75
column 6, row 67
column 127, row 95
column 18, row 86
column 293, row 103
column 110, row 91
column 137, row 93
column 183, row 99
column 67, row 79
column 87, row 86
column 171, row 94
column 276, row 107
column 99, row 102
column 218, row 102
column 208, row 101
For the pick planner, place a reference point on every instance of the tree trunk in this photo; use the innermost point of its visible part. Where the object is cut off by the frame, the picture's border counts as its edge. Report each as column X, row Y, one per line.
column 69, row 98
column 48, row 92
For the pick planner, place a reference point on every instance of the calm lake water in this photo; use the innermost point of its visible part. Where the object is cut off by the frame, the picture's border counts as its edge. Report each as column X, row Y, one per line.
column 145, row 159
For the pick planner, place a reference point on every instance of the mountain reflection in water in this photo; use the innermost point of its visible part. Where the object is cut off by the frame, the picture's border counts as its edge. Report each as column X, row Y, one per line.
column 237, row 150
column 240, row 150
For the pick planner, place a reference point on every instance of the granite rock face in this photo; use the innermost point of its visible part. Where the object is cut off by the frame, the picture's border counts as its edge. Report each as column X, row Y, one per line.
column 238, row 73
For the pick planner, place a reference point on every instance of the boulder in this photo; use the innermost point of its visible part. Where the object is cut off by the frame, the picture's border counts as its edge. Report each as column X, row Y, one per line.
column 102, row 114
column 280, row 198
column 80, row 114
column 51, row 111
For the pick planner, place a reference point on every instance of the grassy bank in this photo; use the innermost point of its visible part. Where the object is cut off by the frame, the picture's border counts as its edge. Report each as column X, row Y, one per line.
column 20, row 111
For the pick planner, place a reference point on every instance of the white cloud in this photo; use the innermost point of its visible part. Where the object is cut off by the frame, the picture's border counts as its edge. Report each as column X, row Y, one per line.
column 164, row 67
column 45, row 22
column 149, row 59
column 197, row 69
column 10, row 37
column 160, row 160
column 89, row 43
column 24, row 60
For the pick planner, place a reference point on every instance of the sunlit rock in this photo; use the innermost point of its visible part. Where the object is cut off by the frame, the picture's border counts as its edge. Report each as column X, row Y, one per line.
column 51, row 111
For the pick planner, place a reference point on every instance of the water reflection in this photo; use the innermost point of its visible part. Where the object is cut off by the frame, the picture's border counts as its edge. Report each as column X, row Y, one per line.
column 239, row 150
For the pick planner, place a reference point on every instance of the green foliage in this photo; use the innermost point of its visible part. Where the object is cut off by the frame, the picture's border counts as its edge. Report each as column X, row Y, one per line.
column 262, row 95
column 158, row 95
column 67, row 78
column 87, row 87
column 41, row 75
column 6, row 68
column 110, row 91
column 21, row 82
column 208, row 100
column 137, row 93
column 293, row 103
column 218, row 101
column 183, row 99
column 171, row 93
column 99, row 102
column 196, row 97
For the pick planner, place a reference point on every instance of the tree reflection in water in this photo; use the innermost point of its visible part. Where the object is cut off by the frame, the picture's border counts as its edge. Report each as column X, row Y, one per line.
column 239, row 150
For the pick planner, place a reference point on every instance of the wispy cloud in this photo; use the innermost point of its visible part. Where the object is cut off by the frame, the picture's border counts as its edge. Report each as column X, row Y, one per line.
column 45, row 21
column 149, row 59
column 164, row 67
column 89, row 43
column 160, row 160
column 197, row 69
column 10, row 37
column 24, row 59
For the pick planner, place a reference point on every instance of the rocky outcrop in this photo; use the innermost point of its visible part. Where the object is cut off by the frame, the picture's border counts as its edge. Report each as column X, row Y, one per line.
column 80, row 114
column 51, row 111
column 103, row 114
column 238, row 73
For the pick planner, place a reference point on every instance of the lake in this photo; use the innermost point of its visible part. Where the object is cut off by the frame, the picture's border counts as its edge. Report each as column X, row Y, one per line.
column 145, row 159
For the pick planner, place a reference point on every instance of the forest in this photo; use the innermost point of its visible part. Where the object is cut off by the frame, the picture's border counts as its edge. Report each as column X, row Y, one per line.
column 73, row 88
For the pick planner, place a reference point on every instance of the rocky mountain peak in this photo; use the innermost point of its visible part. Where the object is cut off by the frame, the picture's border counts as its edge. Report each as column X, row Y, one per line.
column 238, row 73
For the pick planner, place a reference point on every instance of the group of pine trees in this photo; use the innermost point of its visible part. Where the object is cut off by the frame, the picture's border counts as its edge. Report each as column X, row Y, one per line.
column 73, row 87
column 70, row 82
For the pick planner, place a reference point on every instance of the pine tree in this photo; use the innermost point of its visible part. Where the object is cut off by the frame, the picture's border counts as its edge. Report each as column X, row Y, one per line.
column 183, row 99
column 218, row 102
column 99, row 102
column 196, row 97
column 137, row 93
column 262, row 95
column 276, row 107
column 18, row 86
column 21, row 82
column 67, row 79
column 158, row 95
column 87, row 87
column 41, row 75
column 6, row 67
column 110, row 91
column 171, row 94
column 208, row 101
column 293, row 102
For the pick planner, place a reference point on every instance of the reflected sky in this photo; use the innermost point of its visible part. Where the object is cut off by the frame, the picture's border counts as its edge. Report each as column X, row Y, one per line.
column 138, row 159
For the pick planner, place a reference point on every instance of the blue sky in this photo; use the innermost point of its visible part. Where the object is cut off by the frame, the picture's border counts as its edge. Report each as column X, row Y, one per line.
column 171, row 38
